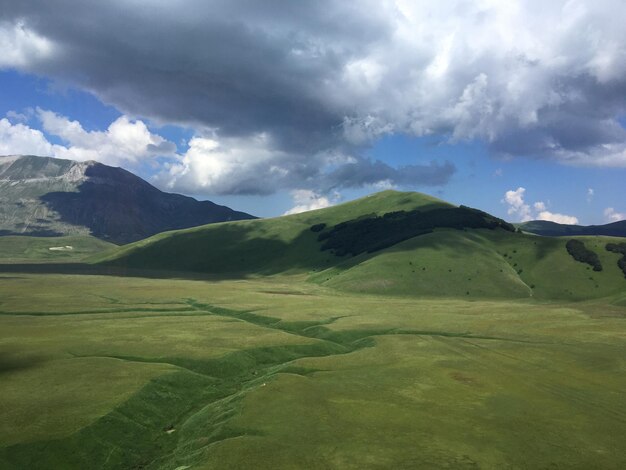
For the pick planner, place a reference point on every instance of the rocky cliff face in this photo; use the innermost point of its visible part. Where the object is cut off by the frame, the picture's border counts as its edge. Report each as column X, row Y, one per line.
column 44, row 196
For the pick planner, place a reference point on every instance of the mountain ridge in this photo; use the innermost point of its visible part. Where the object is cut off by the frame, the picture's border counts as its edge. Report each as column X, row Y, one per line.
column 45, row 196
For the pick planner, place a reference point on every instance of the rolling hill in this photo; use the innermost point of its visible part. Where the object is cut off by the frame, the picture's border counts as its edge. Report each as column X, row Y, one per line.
column 43, row 196
column 388, row 243
column 552, row 229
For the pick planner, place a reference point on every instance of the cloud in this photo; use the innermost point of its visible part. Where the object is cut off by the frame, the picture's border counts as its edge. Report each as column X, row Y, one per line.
column 526, row 77
column 15, row 116
column 558, row 218
column 20, row 46
column 211, row 164
column 18, row 139
column 229, row 166
column 307, row 200
column 590, row 194
column 611, row 215
column 257, row 165
column 524, row 213
column 124, row 142
column 361, row 172
column 517, row 206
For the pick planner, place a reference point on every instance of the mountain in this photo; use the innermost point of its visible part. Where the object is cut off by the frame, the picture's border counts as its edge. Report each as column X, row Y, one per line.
column 45, row 196
column 552, row 229
column 391, row 242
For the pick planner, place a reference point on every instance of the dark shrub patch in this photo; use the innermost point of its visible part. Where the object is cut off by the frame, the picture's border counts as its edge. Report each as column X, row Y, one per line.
column 318, row 227
column 580, row 252
column 621, row 249
column 373, row 233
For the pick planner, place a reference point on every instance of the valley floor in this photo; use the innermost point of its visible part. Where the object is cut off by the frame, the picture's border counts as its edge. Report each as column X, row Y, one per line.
column 112, row 372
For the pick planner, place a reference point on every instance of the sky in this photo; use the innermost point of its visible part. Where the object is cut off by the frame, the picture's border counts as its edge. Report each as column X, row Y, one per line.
column 271, row 107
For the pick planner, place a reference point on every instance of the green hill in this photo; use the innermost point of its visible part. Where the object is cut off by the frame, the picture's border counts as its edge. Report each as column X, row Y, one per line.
column 388, row 243
column 480, row 263
column 553, row 229
column 262, row 246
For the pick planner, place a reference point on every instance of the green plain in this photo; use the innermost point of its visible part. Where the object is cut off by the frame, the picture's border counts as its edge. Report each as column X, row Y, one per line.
column 108, row 372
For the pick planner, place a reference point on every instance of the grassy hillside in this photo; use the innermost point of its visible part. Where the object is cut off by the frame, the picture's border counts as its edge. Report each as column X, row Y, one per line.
column 267, row 246
column 480, row 263
column 552, row 229
column 470, row 263
column 22, row 249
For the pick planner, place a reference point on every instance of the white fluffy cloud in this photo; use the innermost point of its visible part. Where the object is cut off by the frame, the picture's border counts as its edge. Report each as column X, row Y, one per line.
column 558, row 218
column 524, row 213
column 123, row 142
column 17, row 139
column 517, row 206
column 307, row 200
column 227, row 166
column 611, row 215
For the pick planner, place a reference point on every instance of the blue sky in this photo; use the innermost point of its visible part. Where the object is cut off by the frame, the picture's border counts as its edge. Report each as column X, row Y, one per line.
column 294, row 110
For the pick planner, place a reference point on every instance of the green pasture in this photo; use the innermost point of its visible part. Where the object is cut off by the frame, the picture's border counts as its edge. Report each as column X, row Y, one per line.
column 23, row 249
column 278, row 372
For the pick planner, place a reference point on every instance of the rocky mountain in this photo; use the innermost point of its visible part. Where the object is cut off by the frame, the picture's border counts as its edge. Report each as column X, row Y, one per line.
column 45, row 196
column 552, row 229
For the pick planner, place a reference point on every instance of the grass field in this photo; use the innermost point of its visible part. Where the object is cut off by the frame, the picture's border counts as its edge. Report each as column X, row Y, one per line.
column 278, row 372
column 23, row 249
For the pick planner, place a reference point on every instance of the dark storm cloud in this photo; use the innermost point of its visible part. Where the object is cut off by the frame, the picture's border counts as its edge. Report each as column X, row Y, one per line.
column 241, row 67
column 366, row 172
column 526, row 77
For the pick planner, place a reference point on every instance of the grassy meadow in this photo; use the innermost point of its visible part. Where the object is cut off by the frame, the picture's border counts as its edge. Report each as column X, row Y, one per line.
column 68, row 249
column 248, row 345
column 277, row 372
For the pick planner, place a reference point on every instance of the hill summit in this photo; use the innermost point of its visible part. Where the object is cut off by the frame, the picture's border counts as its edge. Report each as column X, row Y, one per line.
column 45, row 196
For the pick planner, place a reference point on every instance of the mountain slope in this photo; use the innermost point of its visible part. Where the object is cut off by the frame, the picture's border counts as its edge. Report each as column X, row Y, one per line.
column 52, row 197
column 552, row 229
column 476, row 260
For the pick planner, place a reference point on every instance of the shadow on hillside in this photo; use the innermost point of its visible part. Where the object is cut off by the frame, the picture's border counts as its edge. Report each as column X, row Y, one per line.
column 229, row 251
column 236, row 251
column 10, row 362
column 101, row 270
